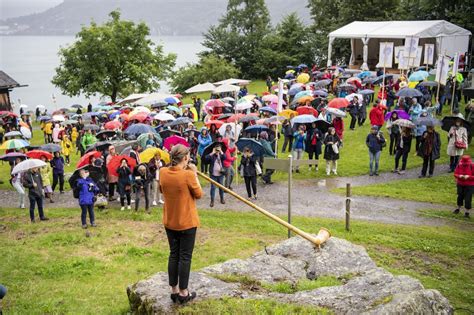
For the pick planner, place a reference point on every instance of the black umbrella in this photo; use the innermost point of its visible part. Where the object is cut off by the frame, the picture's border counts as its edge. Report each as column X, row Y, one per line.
column 99, row 146
column 224, row 116
column 209, row 148
column 248, row 118
column 322, row 125
column 428, row 83
column 427, row 121
column 252, row 144
column 168, row 133
column 449, row 121
column 104, row 134
column 91, row 127
column 50, row 147
column 179, row 121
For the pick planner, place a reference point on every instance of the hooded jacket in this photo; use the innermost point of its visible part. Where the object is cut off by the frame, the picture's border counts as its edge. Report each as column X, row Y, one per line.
column 465, row 167
column 229, row 159
column 87, row 191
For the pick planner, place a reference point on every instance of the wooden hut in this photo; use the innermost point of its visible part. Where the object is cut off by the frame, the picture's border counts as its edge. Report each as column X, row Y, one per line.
column 7, row 83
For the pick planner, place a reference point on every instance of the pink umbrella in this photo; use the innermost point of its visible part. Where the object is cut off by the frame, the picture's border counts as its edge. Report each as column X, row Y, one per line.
column 174, row 140
column 272, row 98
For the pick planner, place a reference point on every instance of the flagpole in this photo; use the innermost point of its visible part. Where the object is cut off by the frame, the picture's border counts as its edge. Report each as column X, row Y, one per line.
column 455, row 72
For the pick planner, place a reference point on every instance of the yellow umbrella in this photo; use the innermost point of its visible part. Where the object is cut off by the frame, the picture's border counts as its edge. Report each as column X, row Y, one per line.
column 305, row 99
column 288, row 113
column 413, row 85
column 303, row 78
column 149, row 153
column 195, row 113
column 249, row 97
column 291, row 71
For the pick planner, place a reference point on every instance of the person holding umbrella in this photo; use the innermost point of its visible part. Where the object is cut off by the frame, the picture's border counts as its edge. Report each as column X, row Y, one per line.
column 248, row 170
column 375, row 142
column 216, row 169
column 331, row 150
column 402, row 150
column 32, row 180
column 464, row 174
column 353, row 109
column 16, row 183
column 394, row 132
column 429, row 150
column 124, row 184
column 313, row 143
column 45, row 172
column 457, row 143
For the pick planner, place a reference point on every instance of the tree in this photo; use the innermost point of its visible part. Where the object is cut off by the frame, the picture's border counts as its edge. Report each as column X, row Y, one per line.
column 113, row 59
column 210, row 68
column 239, row 35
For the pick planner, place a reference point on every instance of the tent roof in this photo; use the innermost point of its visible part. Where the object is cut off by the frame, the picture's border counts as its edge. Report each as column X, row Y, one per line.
column 399, row 29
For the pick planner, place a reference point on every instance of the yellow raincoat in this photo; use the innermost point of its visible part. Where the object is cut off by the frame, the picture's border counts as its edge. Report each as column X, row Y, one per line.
column 74, row 135
column 48, row 128
column 66, row 146
column 45, row 172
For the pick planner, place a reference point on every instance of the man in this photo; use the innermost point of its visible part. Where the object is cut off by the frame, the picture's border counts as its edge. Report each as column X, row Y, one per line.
column 197, row 105
column 376, row 116
column 32, row 180
column 267, row 177
column 375, row 142
column 353, row 108
column 269, row 83
column 429, row 150
column 415, row 109
column 88, row 139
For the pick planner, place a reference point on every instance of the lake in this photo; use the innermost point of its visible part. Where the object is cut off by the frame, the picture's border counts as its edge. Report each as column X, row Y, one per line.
column 31, row 60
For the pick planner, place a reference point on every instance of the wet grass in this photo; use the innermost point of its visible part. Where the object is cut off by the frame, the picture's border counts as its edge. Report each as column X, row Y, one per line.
column 56, row 267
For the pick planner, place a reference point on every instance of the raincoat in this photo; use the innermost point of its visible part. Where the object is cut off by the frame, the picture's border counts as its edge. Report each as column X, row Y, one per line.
column 465, row 167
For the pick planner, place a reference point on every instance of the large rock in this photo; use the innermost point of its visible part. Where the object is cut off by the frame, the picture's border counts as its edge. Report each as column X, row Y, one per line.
column 370, row 289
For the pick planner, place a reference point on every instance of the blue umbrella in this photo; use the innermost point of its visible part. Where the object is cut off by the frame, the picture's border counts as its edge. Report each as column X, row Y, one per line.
column 364, row 74
column 418, row 76
column 137, row 129
column 44, row 118
column 366, row 92
column 256, row 129
column 50, row 147
column 303, row 119
column 407, row 92
column 302, row 66
column 301, row 94
column 170, row 100
column 289, row 76
column 320, row 93
column 252, row 144
column 322, row 83
column 268, row 109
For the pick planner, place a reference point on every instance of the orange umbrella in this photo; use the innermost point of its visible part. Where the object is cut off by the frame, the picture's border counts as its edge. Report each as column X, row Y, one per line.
column 306, row 110
column 85, row 160
column 305, row 99
column 112, row 125
column 338, row 102
column 218, row 123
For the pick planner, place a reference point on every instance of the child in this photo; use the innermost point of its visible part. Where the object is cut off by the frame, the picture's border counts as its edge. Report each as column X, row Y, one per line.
column 74, row 135
column 142, row 183
column 87, row 191
column 45, row 172
column 154, row 166
column 464, row 175
column 66, row 147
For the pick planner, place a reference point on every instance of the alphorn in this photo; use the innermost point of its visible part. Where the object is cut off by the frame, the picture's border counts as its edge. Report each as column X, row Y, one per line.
column 315, row 240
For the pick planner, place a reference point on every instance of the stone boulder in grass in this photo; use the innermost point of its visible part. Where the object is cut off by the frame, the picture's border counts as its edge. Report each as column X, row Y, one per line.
column 361, row 287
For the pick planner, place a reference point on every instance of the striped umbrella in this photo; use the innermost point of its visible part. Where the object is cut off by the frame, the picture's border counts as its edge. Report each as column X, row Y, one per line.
column 14, row 144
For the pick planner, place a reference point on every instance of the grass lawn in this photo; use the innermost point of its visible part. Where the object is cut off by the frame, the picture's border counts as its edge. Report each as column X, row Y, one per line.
column 56, row 267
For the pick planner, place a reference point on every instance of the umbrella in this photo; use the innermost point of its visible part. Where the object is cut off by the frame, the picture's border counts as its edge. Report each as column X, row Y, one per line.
column 104, row 134
column 354, row 79
column 322, row 83
column 76, row 106
column 320, row 93
column 350, row 97
column 50, row 147
column 407, row 92
column 137, row 129
column 428, row 121
column 12, row 156
column 428, row 83
column 112, row 125
column 401, row 114
column 271, row 98
column 288, row 113
column 347, row 86
column 213, row 103
column 172, row 100
column 338, row 102
column 322, row 125
column 168, row 133
column 404, row 123
column 218, row 123
column 366, row 92
column 252, row 144
column 91, row 127
column 272, row 120
column 179, row 121
column 13, row 134
column 44, row 118
column 58, row 118
column 69, row 122
column 305, row 99
column 243, row 106
column 364, row 74
column 303, row 119
column 256, row 129
column 302, row 66
column 306, row 110
column 27, row 165
column 143, row 138
column 303, row 78
column 248, row 118
column 14, row 144
column 38, row 154
column 174, row 140
column 335, row 112
column 236, row 129
column 174, row 109
column 369, row 79
column 85, row 159
column 140, row 116
column 449, row 121
column 40, row 106
column 149, row 153
column 209, row 148
column 268, row 110
column 164, row 116
column 224, row 116
column 418, row 76
column 115, row 162
column 23, row 106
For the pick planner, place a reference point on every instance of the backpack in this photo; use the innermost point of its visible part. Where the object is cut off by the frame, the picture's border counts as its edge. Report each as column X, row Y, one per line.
column 75, row 188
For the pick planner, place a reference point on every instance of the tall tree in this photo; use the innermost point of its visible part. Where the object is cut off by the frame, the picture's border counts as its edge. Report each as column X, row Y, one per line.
column 113, row 59
column 239, row 35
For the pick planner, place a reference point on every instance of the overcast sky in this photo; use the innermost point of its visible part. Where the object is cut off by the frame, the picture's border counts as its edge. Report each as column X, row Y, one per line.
column 13, row 8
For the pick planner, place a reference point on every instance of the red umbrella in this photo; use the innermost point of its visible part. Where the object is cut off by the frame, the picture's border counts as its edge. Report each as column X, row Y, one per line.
column 338, row 102
column 218, row 123
column 7, row 113
column 174, row 140
column 214, row 103
column 37, row 154
column 178, row 96
column 141, row 116
column 115, row 162
column 85, row 159
column 124, row 116
column 112, row 125
column 306, row 110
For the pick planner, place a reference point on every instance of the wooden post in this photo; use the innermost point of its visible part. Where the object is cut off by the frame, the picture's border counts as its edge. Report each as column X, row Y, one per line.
column 348, row 207
column 290, row 179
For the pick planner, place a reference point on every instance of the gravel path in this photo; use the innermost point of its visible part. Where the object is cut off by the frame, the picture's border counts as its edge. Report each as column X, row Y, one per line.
column 309, row 198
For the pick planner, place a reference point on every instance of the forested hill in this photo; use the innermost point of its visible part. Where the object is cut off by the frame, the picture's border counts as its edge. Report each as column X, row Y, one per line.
column 164, row 17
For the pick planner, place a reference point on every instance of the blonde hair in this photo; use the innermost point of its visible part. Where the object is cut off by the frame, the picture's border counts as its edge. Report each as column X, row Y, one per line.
column 178, row 153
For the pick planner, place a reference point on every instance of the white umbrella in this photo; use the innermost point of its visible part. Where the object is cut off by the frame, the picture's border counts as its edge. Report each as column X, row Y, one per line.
column 26, row 132
column 335, row 112
column 164, row 116
column 350, row 97
column 40, row 106
column 132, row 98
column 198, row 88
column 228, row 99
column 243, row 106
column 225, row 88
column 235, row 127
column 151, row 99
column 233, row 81
column 23, row 106
column 58, row 118
column 27, row 165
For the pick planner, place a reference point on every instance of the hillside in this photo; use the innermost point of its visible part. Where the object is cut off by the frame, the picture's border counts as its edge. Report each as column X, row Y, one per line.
column 164, row 17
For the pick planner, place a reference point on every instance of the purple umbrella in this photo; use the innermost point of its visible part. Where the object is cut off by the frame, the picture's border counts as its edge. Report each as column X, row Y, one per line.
column 401, row 114
column 12, row 156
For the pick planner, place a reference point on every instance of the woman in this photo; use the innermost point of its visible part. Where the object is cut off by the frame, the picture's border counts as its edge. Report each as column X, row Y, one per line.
column 66, row 147
column 331, row 150
column 45, row 173
column 402, row 149
column 394, row 132
column 154, row 166
column 142, row 183
column 111, row 179
column 464, row 175
column 353, row 109
column 16, row 183
column 299, row 142
column 313, row 144
column 429, row 150
column 56, row 131
column 216, row 169
column 248, row 170
column 124, row 183
column 180, row 187
column 204, row 139
column 338, row 124
column 57, row 163
column 457, row 143
column 87, row 191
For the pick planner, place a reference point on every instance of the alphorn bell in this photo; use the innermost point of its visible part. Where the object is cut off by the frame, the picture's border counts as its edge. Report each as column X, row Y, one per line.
column 323, row 234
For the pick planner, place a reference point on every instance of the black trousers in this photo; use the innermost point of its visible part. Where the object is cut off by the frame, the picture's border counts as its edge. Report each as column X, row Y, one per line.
column 56, row 178
column 465, row 196
column 400, row 154
column 393, row 142
column 146, row 192
column 312, row 152
column 181, row 252
column 111, row 190
column 453, row 162
column 251, row 185
column 417, row 143
column 361, row 120
column 353, row 121
column 288, row 141
column 267, row 176
column 427, row 160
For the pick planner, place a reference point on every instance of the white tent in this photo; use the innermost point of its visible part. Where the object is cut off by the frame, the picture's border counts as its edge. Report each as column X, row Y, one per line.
column 225, row 88
column 366, row 36
column 132, row 98
column 151, row 99
column 198, row 88
column 233, row 81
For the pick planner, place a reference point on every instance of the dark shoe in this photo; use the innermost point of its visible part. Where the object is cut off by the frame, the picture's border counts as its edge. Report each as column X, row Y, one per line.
column 61, row 192
column 33, row 221
column 431, row 175
column 376, row 174
column 185, row 299
column 84, row 226
column 93, row 225
column 297, row 171
column 223, row 201
column 422, row 176
column 466, row 215
column 371, row 174
column 456, row 211
column 51, row 200
column 174, row 297
column 44, row 219
column 211, row 204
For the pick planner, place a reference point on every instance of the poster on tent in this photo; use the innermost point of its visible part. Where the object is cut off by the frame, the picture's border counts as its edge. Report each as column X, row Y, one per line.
column 429, row 54
column 411, row 46
column 415, row 60
column 402, row 61
column 455, row 68
column 398, row 52
column 385, row 55
column 442, row 68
